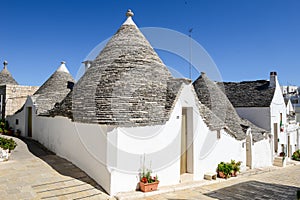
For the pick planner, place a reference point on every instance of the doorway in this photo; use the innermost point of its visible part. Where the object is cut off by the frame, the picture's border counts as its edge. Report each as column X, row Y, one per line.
column 248, row 152
column 289, row 153
column 275, row 137
column 29, row 121
column 183, row 157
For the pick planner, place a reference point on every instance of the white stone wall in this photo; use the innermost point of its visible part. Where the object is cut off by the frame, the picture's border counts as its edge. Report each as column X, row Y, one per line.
column 21, row 117
column 16, row 96
column 158, row 145
column 258, row 116
column 85, row 145
column 278, row 106
column 214, row 150
column 262, row 154
column 114, row 156
column 207, row 149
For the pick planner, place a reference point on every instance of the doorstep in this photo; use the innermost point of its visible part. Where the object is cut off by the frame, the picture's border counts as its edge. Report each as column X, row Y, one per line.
column 166, row 189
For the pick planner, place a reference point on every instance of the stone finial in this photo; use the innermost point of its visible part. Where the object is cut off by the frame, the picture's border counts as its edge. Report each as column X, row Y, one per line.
column 5, row 63
column 63, row 62
column 87, row 64
column 129, row 13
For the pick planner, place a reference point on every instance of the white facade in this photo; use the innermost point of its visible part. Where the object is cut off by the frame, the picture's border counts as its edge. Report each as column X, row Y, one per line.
column 289, row 89
column 272, row 118
column 109, row 154
column 257, row 115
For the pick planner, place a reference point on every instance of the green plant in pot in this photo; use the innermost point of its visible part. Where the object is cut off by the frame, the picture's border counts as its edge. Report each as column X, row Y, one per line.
column 236, row 167
column 224, row 170
column 296, row 155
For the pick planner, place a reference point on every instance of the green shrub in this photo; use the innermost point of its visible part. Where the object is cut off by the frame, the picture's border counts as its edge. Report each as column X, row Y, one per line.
column 226, row 168
column 236, row 166
column 296, row 155
column 7, row 143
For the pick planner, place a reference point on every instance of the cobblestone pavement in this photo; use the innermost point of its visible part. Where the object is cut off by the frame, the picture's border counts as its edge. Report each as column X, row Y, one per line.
column 281, row 184
column 35, row 173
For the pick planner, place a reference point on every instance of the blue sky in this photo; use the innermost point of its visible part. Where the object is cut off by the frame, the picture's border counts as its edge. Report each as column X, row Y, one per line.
column 246, row 38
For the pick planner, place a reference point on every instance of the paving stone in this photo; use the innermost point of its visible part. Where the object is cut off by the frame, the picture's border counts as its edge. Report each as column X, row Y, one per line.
column 41, row 175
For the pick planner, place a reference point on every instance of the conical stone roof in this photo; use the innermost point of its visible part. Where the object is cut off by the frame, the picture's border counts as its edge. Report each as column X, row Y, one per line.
column 213, row 97
column 6, row 77
column 54, row 90
column 126, row 84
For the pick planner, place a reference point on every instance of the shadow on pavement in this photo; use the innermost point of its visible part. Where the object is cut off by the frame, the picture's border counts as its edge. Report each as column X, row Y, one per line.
column 61, row 165
column 256, row 190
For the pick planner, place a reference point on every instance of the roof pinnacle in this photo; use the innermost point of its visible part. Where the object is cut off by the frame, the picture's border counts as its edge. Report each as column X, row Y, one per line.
column 129, row 13
column 5, row 63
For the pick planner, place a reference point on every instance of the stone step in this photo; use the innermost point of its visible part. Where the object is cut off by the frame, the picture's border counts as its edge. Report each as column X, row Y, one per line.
column 279, row 162
column 186, row 177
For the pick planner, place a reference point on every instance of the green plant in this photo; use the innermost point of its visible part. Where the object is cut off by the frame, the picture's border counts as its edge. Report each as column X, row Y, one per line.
column 236, row 166
column 7, row 143
column 4, row 127
column 296, row 155
column 146, row 176
column 225, row 168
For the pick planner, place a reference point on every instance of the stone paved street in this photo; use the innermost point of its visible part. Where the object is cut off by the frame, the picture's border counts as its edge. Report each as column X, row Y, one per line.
column 35, row 173
column 282, row 183
column 44, row 176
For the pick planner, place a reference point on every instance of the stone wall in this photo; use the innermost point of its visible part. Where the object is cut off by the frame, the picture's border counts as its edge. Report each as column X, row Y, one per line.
column 15, row 96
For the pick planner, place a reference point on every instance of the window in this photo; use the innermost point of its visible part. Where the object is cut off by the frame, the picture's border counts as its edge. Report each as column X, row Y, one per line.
column 17, row 121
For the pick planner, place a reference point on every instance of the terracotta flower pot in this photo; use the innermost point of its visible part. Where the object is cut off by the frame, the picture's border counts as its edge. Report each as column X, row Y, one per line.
column 148, row 187
column 221, row 175
column 234, row 173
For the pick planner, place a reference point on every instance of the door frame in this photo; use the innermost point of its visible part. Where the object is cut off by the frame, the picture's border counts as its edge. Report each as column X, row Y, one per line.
column 29, row 122
column 187, row 144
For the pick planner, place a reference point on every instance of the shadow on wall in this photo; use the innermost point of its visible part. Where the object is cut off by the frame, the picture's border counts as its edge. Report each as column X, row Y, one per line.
column 256, row 190
column 62, row 166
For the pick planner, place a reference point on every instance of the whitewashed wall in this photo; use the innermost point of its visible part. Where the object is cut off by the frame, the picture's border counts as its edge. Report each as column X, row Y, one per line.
column 262, row 154
column 158, row 145
column 278, row 106
column 208, row 151
column 258, row 116
column 110, row 154
column 84, row 145
column 214, row 150
column 292, row 131
column 21, row 117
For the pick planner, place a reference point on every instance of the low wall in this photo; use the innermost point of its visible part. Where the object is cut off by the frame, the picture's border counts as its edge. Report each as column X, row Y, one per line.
column 84, row 145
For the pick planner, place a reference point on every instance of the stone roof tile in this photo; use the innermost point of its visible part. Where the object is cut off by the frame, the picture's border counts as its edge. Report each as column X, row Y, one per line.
column 249, row 93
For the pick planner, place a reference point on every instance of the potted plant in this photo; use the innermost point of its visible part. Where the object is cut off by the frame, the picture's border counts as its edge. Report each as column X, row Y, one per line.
column 148, row 182
column 296, row 155
column 236, row 167
column 6, row 146
column 224, row 170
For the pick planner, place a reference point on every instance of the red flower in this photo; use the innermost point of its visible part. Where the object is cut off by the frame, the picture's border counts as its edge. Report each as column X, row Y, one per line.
column 144, row 180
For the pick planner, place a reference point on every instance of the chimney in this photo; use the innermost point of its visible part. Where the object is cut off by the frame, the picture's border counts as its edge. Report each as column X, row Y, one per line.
column 87, row 64
column 273, row 79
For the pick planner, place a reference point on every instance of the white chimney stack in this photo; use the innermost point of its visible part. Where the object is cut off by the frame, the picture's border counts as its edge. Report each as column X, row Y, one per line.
column 273, row 79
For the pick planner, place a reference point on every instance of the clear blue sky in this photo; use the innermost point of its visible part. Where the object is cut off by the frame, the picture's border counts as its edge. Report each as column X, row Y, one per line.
column 246, row 38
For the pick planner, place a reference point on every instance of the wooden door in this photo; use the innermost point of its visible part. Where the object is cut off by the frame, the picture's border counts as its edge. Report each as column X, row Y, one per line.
column 248, row 152
column 183, row 158
column 289, row 153
column 275, row 137
column 29, row 121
